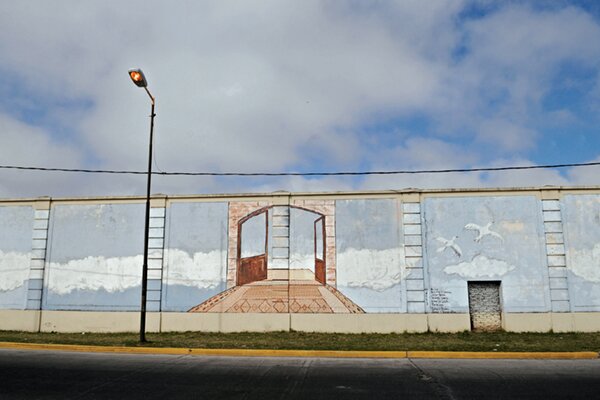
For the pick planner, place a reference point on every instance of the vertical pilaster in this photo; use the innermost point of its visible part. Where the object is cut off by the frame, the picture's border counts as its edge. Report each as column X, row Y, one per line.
column 280, row 248
column 555, row 253
column 413, row 252
column 156, row 243
column 39, row 244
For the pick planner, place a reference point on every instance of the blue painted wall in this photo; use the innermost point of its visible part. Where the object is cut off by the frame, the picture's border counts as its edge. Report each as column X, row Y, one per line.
column 94, row 258
column 16, row 226
column 370, row 254
column 511, row 250
column 581, row 223
column 196, row 257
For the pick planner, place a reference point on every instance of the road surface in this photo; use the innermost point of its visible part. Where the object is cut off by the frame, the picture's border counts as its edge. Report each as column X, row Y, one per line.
column 26, row 374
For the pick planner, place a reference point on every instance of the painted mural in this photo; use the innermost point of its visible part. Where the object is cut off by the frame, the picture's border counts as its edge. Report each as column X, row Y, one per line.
column 471, row 239
column 354, row 255
column 94, row 257
column 370, row 254
column 281, row 262
column 16, row 224
column 195, row 264
column 581, row 219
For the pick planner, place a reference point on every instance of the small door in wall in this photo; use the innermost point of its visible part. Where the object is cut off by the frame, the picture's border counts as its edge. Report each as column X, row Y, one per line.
column 485, row 306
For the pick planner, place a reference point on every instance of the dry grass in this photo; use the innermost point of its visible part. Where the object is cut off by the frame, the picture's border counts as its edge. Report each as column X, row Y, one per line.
column 466, row 341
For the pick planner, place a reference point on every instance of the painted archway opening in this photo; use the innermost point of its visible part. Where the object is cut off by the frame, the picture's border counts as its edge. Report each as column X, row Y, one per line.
column 281, row 266
column 281, row 243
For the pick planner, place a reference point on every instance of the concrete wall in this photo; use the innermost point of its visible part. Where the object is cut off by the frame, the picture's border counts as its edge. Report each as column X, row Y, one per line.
column 394, row 261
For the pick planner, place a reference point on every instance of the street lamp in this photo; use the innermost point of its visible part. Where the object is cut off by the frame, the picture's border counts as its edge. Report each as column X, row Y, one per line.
column 137, row 76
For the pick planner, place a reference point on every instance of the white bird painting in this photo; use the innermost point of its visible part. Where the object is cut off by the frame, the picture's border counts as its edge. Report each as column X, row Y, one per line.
column 449, row 244
column 483, row 231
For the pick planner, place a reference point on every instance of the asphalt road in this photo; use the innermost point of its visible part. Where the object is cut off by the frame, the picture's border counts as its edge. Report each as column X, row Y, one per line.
column 28, row 374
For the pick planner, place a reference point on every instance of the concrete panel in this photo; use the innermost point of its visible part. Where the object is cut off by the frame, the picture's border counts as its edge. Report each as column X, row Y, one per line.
column 195, row 266
column 234, row 322
column 19, row 320
column 411, row 208
column 527, row 322
column 359, row 323
column 452, row 322
column 157, row 212
column 581, row 219
column 587, row 322
column 370, row 254
column 557, row 261
column 563, row 322
column 486, row 239
column 97, row 321
column 94, row 257
column 411, row 219
column 413, row 240
column 415, row 295
column 550, row 205
column 413, row 251
column 16, row 227
column 415, row 307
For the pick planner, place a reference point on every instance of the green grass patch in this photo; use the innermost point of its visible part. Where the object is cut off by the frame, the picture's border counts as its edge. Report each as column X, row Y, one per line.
column 465, row 341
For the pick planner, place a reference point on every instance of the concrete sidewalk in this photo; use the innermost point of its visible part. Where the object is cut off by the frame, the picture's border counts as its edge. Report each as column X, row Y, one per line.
column 304, row 353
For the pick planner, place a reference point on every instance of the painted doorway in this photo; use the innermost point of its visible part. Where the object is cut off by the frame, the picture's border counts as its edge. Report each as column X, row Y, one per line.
column 253, row 233
column 319, row 237
column 485, row 306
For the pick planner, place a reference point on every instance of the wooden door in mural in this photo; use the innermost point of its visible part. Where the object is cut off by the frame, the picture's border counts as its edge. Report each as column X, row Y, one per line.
column 252, row 248
column 320, row 250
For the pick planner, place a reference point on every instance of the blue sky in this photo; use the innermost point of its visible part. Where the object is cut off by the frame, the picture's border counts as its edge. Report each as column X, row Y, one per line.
column 270, row 86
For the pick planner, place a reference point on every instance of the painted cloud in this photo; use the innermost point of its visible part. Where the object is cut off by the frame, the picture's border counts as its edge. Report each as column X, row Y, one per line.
column 202, row 270
column 373, row 269
column 113, row 274
column 117, row 274
column 14, row 269
column 586, row 263
column 480, row 267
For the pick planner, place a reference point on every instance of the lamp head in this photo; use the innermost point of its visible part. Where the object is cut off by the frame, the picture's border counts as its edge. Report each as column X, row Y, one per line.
column 137, row 76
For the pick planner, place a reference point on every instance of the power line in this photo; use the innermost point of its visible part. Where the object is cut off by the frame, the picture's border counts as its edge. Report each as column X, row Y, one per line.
column 342, row 173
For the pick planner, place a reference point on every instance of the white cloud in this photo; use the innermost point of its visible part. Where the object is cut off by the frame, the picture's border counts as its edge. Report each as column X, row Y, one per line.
column 113, row 274
column 202, row 270
column 117, row 274
column 480, row 267
column 585, row 263
column 14, row 270
column 372, row 269
column 269, row 86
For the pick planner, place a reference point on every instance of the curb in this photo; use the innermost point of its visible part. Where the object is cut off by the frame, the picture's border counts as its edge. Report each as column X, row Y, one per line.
column 303, row 353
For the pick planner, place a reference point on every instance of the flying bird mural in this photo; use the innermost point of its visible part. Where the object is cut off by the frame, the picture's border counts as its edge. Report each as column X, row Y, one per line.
column 483, row 231
column 449, row 244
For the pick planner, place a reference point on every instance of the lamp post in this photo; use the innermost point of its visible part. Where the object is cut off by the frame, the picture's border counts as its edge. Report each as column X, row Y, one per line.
column 137, row 76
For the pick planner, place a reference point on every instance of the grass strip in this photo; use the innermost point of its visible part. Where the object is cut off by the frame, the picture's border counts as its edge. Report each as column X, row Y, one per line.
column 464, row 341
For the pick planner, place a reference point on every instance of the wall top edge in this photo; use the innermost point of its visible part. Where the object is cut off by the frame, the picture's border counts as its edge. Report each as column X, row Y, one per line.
column 280, row 194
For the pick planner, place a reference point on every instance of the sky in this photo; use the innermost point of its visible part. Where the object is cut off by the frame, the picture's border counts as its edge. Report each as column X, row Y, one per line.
column 297, row 86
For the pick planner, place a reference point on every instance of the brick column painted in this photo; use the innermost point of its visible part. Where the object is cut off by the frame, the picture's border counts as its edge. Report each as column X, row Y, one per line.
column 413, row 252
column 156, row 242
column 39, row 246
column 555, row 253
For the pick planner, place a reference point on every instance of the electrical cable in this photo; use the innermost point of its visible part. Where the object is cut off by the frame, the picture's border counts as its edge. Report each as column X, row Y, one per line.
column 268, row 174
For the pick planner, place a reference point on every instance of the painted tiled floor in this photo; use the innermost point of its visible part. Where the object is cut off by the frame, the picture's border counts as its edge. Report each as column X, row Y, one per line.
column 280, row 297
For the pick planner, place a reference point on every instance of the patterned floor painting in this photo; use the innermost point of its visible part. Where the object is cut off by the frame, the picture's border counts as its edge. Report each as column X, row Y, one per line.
column 280, row 297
